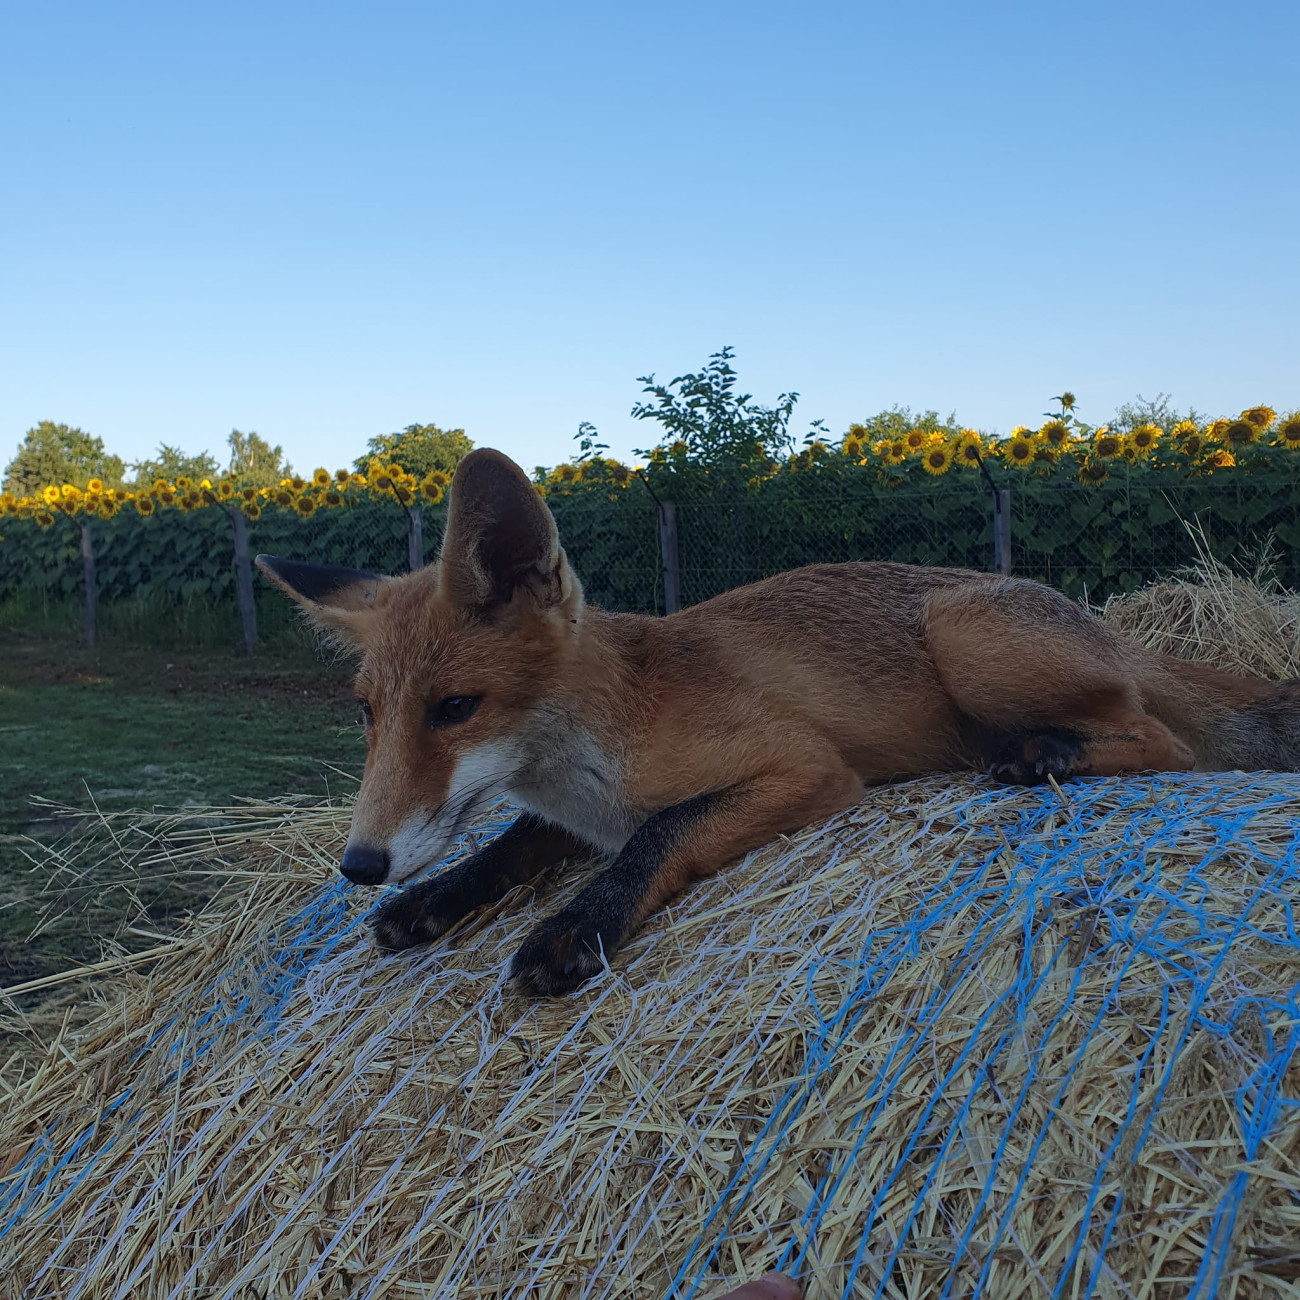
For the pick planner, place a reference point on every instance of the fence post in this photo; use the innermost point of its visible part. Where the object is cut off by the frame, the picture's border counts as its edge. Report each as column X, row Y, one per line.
column 414, row 538
column 668, row 556
column 244, row 580
column 88, row 574
column 1001, row 530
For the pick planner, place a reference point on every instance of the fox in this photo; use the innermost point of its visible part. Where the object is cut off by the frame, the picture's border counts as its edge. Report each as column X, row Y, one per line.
column 665, row 748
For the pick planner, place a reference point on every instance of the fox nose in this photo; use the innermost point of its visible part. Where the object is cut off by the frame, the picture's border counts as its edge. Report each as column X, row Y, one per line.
column 364, row 865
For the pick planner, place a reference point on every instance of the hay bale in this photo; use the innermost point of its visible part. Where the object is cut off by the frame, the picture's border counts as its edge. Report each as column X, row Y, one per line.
column 1002, row 1040
column 1212, row 615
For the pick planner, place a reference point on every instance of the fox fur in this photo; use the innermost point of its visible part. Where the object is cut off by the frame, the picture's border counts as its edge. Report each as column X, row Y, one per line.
column 672, row 746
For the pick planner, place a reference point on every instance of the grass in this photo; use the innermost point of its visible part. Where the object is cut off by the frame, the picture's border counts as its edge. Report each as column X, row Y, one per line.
column 139, row 728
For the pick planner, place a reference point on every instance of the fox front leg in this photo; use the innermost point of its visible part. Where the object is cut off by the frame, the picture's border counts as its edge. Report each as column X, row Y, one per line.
column 422, row 912
column 682, row 843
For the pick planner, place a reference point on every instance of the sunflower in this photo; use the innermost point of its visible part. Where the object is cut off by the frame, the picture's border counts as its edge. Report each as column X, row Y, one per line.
column 404, row 495
column 1107, row 445
column 1222, row 458
column 282, row 497
column 430, row 491
column 248, row 493
column 381, row 480
column 1144, row 439
column 1287, row 433
column 1185, row 429
column 299, row 485
column 225, row 489
column 320, row 478
column 184, row 484
column 441, row 477
column 1192, row 445
column 1018, row 450
column 144, row 505
column 914, row 440
column 90, row 504
column 571, row 473
column 304, row 506
column 1093, row 472
column 43, row 518
column 166, row 497
column 341, row 476
column 893, row 451
column 937, row 458
column 333, row 499
column 1054, row 434
column 95, row 485
column 251, row 510
column 1240, row 433
column 192, row 501
column 1260, row 416
column 1216, row 429
column 969, row 449
column 1044, row 456
column 51, row 495
column 621, row 475
column 852, row 447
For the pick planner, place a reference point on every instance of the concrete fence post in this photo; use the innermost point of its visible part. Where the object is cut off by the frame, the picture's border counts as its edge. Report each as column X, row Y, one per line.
column 414, row 538
column 668, row 556
column 1002, row 530
column 88, row 574
column 244, row 580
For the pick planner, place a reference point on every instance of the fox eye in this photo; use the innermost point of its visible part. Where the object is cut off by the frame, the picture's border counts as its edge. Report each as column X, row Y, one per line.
column 455, row 708
column 366, row 716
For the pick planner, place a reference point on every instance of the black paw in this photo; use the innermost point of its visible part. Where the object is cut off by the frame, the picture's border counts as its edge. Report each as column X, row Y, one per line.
column 563, row 952
column 1031, row 759
column 419, row 914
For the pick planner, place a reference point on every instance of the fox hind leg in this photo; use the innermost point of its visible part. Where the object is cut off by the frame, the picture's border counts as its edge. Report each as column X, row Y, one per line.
column 1048, row 687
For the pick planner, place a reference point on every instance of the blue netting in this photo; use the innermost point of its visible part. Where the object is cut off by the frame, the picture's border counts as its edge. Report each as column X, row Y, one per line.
column 1120, row 877
column 251, row 998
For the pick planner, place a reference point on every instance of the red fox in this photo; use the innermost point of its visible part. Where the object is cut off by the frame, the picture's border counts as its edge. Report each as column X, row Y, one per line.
column 678, row 744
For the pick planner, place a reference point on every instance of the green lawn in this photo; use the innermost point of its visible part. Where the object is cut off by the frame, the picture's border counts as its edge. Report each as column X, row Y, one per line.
column 130, row 728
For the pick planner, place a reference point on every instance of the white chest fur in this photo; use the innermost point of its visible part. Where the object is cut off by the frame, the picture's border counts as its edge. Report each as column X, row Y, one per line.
column 571, row 781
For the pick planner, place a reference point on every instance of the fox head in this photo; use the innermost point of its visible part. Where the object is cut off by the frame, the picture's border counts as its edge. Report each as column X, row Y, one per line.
column 454, row 662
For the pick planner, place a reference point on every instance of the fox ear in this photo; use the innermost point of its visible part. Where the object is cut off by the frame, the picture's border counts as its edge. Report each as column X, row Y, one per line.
column 501, row 539
column 322, row 587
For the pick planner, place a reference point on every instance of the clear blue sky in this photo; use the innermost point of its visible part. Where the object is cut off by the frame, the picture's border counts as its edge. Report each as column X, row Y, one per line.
column 328, row 221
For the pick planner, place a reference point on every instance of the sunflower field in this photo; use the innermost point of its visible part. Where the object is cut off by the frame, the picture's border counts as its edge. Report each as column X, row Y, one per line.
column 1094, row 511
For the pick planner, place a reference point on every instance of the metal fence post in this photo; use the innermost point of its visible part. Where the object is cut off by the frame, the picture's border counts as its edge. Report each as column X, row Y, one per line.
column 1001, row 530
column 244, row 580
column 414, row 538
column 88, row 574
column 668, row 556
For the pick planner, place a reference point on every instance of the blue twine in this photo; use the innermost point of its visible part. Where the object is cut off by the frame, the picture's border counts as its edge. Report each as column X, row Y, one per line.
column 1060, row 874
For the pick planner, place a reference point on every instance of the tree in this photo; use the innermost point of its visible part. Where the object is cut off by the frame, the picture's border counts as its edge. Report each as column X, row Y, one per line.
column 709, row 422
column 418, row 449
column 254, row 462
column 60, row 453
column 1151, row 410
column 171, row 463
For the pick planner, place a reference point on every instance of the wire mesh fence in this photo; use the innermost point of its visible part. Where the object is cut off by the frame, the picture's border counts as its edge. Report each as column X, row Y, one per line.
column 175, row 576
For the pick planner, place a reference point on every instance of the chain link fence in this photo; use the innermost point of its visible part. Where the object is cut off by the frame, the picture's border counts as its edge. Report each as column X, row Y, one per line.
column 174, row 578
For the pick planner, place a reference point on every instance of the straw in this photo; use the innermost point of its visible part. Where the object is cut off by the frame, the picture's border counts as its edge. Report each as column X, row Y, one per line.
column 960, row 1037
